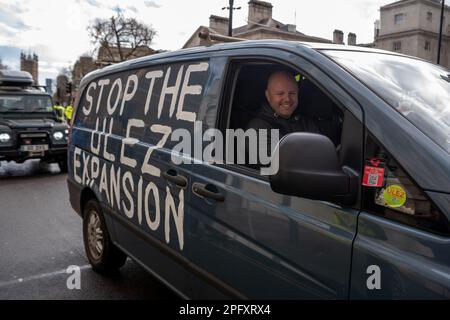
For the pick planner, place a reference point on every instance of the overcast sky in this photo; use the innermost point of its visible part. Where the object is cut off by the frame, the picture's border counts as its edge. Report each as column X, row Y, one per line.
column 56, row 29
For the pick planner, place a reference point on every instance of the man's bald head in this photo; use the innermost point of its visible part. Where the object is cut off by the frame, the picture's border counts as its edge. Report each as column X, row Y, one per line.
column 280, row 75
column 282, row 93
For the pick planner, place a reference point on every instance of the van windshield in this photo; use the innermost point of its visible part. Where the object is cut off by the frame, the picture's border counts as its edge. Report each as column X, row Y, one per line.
column 25, row 103
column 419, row 90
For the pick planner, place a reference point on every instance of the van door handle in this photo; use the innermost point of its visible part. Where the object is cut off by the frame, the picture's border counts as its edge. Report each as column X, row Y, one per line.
column 207, row 191
column 172, row 176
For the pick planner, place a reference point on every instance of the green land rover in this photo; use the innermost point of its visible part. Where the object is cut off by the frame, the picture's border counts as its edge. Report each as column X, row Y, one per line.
column 29, row 128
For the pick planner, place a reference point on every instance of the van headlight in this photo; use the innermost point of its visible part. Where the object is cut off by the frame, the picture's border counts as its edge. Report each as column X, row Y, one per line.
column 4, row 137
column 58, row 135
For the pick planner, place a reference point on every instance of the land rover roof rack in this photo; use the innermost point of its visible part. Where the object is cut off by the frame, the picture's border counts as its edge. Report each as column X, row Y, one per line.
column 15, row 78
column 42, row 88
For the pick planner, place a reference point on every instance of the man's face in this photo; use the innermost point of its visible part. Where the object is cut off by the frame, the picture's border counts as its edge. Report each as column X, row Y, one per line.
column 282, row 94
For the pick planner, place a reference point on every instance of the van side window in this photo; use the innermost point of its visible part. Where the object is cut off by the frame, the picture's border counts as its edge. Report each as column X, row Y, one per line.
column 315, row 112
column 391, row 193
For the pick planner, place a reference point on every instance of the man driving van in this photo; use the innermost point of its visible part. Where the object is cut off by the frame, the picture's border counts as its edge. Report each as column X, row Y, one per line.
column 280, row 110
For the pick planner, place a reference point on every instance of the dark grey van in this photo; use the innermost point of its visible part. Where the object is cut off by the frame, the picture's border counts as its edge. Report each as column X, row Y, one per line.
column 359, row 211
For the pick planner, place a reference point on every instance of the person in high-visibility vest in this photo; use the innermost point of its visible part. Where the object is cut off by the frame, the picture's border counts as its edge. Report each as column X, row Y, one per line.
column 68, row 112
column 59, row 111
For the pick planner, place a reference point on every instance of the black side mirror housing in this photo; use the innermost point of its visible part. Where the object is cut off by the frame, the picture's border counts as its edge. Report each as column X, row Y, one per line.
column 309, row 168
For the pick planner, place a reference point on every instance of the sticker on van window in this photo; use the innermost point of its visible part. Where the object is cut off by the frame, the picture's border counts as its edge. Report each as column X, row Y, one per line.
column 394, row 196
column 374, row 173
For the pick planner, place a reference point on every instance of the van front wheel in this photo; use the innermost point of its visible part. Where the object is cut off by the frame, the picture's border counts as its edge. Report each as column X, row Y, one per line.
column 102, row 254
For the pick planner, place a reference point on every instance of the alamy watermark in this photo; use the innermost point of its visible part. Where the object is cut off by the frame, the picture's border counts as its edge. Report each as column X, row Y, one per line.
column 74, row 279
column 249, row 147
column 374, row 280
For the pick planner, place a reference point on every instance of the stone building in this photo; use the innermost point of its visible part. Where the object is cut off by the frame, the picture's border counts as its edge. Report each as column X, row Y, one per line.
column 260, row 25
column 412, row 27
column 110, row 55
column 61, row 96
column 338, row 38
column 82, row 67
column 30, row 63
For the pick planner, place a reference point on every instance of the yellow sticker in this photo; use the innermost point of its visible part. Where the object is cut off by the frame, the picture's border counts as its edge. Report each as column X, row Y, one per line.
column 395, row 196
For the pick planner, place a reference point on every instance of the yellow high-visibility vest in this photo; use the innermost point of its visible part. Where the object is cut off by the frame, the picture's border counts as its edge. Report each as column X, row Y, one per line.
column 68, row 112
column 59, row 112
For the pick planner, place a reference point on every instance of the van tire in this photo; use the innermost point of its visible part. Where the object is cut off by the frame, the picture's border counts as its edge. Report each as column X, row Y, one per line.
column 102, row 254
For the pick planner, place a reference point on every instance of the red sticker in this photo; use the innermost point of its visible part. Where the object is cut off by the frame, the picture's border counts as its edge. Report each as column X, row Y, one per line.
column 375, row 162
column 373, row 176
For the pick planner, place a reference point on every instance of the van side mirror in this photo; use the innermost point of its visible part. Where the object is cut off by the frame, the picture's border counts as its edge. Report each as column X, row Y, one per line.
column 309, row 168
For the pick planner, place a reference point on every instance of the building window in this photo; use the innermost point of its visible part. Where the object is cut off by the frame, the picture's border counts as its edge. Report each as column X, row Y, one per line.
column 398, row 18
column 429, row 16
column 427, row 46
column 397, row 46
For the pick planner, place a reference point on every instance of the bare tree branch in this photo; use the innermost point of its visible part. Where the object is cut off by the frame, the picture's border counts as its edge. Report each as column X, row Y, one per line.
column 120, row 37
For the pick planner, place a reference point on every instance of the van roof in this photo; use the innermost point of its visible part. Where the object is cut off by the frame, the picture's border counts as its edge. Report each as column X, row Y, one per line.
column 282, row 44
